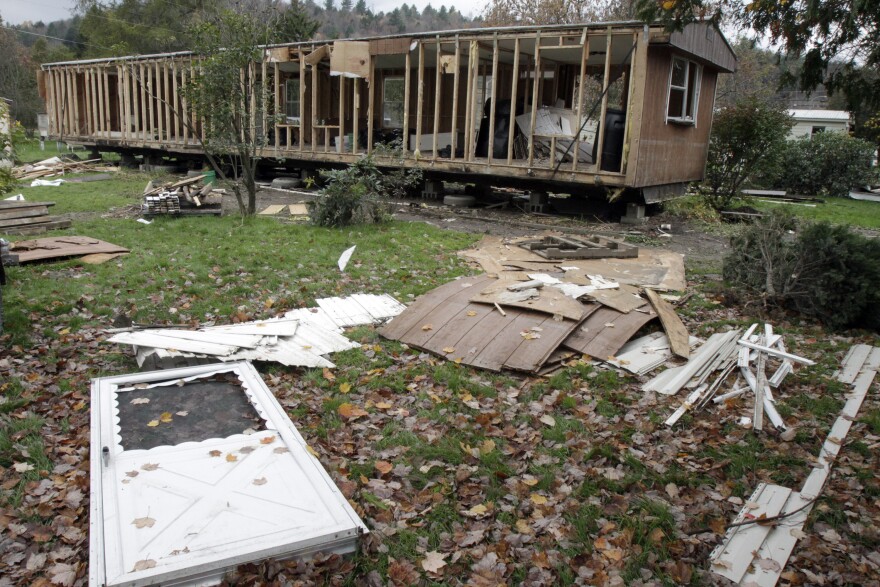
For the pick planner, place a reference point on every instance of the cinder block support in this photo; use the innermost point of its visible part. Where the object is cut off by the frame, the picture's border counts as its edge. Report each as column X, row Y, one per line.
column 539, row 202
column 635, row 214
column 433, row 190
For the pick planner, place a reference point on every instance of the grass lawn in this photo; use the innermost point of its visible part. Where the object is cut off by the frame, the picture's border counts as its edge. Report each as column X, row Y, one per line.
column 835, row 210
column 570, row 478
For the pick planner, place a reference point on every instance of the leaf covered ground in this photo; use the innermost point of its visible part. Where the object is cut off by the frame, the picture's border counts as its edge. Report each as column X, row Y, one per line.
column 463, row 476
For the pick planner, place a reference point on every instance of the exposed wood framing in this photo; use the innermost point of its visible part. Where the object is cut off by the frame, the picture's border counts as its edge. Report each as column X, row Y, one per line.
column 406, row 94
column 371, row 98
column 492, row 97
column 512, row 124
column 535, row 86
column 421, row 98
column 437, row 86
column 580, row 101
column 600, row 138
column 455, row 77
column 302, row 99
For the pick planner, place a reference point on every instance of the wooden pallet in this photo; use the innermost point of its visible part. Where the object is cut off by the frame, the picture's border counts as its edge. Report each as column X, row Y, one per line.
column 590, row 247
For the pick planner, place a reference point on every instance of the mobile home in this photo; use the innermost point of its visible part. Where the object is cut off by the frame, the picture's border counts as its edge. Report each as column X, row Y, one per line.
column 623, row 108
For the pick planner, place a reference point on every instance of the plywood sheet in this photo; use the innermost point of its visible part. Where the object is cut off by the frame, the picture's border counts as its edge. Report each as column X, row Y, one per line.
column 624, row 298
column 445, row 322
column 60, row 247
column 657, row 268
column 606, row 330
column 549, row 300
column 350, row 59
column 672, row 324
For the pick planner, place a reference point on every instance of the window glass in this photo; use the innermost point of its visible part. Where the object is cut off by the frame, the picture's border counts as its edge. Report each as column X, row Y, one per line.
column 679, row 72
column 392, row 102
column 684, row 91
column 291, row 106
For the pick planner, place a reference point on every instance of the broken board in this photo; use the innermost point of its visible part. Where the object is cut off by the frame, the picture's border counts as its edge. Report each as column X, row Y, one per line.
column 606, row 330
column 60, row 247
column 445, row 322
column 186, row 513
column 550, row 300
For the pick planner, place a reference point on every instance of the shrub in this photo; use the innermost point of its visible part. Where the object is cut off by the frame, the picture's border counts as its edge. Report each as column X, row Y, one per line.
column 745, row 139
column 360, row 193
column 828, row 164
column 820, row 270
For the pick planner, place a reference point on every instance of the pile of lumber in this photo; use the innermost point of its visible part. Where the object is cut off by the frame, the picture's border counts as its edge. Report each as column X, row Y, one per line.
column 301, row 338
column 56, row 166
column 20, row 217
column 184, row 197
column 747, row 354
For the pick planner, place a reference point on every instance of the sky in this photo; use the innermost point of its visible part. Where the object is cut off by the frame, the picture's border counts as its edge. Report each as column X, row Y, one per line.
column 18, row 11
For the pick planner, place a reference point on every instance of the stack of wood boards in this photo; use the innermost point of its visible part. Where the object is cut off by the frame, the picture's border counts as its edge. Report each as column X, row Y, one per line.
column 20, row 217
column 755, row 554
column 55, row 166
column 183, row 197
column 302, row 338
column 61, row 247
column 457, row 321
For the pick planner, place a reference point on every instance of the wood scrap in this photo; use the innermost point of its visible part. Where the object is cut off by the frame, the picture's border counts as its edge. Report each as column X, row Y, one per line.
column 59, row 248
column 672, row 324
column 22, row 217
column 57, row 166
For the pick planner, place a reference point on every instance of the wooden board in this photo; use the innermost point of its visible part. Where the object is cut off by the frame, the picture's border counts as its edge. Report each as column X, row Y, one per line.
column 623, row 299
column 550, row 300
column 272, row 209
column 605, row 331
column 445, row 322
column 672, row 324
column 350, row 59
column 60, row 247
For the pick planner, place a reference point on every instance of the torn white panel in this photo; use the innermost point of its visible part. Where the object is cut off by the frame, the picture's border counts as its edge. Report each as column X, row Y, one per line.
column 852, row 362
column 146, row 338
column 316, row 316
column 188, row 515
column 345, row 257
column 210, row 336
column 285, row 351
column 380, row 307
column 320, row 340
column 345, row 312
column 644, row 354
column 276, row 327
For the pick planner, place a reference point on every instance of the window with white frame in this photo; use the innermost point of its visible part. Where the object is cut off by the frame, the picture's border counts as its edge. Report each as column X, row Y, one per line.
column 291, row 100
column 392, row 102
column 684, row 91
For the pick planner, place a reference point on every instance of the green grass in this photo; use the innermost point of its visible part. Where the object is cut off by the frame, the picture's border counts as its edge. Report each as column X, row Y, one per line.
column 834, row 210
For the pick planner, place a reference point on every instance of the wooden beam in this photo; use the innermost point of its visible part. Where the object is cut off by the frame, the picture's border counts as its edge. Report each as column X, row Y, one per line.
column 355, row 112
column 71, row 103
column 314, row 108
column 126, row 101
column 492, row 98
column 580, row 102
column 175, row 100
column 513, row 89
column 420, row 99
column 371, row 97
column 455, row 98
column 263, row 105
column 601, row 137
column 150, row 103
column 184, row 107
column 406, row 89
column 144, row 120
column 438, row 80
column 302, row 100
column 99, row 84
column 341, row 147
column 676, row 332
column 75, row 95
column 535, row 86
column 637, row 100
column 88, row 101
column 277, row 85
column 166, row 91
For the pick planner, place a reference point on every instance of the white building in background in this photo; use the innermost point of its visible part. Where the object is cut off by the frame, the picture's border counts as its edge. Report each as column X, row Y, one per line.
column 809, row 122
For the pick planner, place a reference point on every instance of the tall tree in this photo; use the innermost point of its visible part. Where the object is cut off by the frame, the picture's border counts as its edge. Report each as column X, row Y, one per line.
column 539, row 12
column 838, row 40
column 232, row 100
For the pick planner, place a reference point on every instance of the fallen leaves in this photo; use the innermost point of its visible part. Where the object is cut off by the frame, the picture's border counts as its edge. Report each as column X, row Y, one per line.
column 350, row 411
column 344, row 387
column 145, row 522
column 267, row 440
column 143, row 565
column 538, row 499
column 384, row 467
column 260, row 481
column 140, row 401
column 166, row 418
column 434, row 561
column 22, row 467
column 231, row 458
column 215, row 453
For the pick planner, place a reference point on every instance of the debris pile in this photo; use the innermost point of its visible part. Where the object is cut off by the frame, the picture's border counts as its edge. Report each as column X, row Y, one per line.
column 758, row 543
column 89, row 250
column 22, row 217
column 749, row 355
column 55, row 166
column 301, row 338
column 184, row 197
column 530, row 313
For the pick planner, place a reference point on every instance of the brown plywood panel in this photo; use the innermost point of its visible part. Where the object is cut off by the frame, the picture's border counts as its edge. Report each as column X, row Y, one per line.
column 672, row 324
column 606, row 331
column 351, row 59
column 623, row 299
column 549, row 300
column 60, row 247
column 418, row 310
column 478, row 334
column 704, row 41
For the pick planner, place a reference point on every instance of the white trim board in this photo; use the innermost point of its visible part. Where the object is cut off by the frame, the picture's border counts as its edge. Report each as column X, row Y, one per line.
column 208, row 513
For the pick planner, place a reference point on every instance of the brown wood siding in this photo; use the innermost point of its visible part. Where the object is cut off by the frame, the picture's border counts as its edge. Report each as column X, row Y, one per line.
column 703, row 41
column 672, row 153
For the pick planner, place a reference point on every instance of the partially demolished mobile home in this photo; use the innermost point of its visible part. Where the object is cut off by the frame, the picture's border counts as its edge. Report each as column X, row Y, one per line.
column 595, row 108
